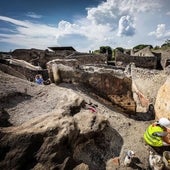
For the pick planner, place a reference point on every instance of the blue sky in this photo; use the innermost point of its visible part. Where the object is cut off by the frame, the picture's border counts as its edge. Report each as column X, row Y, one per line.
column 84, row 24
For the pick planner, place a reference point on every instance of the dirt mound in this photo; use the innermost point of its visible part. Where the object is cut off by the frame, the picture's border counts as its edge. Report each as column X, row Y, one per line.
column 50, row 130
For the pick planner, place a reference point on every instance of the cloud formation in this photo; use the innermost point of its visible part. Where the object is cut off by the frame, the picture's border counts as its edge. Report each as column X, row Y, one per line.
column 161, row 32
column 33, row 15
column 99, row 27
column 168, row 13
column 126, row 26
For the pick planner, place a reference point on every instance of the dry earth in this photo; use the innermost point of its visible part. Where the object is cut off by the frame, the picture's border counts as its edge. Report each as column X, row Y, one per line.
column 24, row 100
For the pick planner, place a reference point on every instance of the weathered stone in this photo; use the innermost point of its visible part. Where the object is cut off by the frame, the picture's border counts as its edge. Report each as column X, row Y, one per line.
column 52, row 141
column 60, row 138
column 144, row 58
column 113, row 163
column 110, row 84
column 162, row 104
column 82, row 166
column 145, row 85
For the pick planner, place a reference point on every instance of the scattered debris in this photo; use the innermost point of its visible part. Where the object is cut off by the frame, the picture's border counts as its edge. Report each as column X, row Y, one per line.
column 155, row 161
column 128, row 158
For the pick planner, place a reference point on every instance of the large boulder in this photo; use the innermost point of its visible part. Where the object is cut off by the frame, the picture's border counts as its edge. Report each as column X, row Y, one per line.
column 162, row 104
column 145, row 85
column 60, row 142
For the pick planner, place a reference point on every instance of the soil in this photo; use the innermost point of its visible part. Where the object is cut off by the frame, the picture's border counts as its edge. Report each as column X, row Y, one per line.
column 22, row 100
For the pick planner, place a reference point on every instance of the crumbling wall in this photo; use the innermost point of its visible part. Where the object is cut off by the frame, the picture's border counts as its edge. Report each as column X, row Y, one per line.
column 23, row 69
column 110, row 84
column 149, row 62
column 162, row 105
column 146, row 84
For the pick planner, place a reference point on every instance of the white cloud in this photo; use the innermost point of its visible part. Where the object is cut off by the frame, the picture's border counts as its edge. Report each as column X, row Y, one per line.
column 41, row 36
column 168, row 13
column 109, row 12
column 14, row 21
column 28, row 34
column 126, row 26
column 33, row 15
column 161, row 32
column 99, row 27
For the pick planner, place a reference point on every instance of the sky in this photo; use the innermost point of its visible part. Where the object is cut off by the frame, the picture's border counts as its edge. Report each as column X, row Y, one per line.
column 83, row 24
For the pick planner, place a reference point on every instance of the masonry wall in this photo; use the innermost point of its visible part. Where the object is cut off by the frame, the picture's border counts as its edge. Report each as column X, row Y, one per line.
column 110, row 84
column 149, row 62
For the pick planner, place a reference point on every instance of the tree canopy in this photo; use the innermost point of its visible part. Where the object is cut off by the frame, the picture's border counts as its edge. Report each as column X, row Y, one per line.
column 141, row 46
column 105, row 50
column 166, row 44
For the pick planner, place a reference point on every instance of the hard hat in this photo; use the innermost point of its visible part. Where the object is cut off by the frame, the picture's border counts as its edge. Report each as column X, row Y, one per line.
column 164, row 122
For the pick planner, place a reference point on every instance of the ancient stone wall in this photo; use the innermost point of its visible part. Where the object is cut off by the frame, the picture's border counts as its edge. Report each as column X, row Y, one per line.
column 146, row 84
column 149, row 62
column 23, row 72
column 9, row 70
column 162, row 105
column 110, row 84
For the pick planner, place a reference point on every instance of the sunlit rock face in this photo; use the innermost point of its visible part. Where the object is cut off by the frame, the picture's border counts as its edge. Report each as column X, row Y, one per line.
column 162, row 105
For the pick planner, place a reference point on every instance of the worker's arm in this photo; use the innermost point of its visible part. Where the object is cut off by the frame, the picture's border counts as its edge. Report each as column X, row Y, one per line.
column 161, row 134
column 168, row 130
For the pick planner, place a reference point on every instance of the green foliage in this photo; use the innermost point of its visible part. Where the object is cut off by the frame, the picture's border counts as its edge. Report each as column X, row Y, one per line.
column 166, row 44
column 141, row 46
column 120, row 49
column 96, row 51
column 105, row 50
column 156, row 47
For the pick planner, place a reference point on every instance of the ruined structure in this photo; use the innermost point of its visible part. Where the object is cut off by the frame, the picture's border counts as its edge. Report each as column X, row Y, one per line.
column 46, row 127
column 143, row 58
column 162, row 105
column 54, row 132
column 121, row 84
column 22, row 69
column 113, row 85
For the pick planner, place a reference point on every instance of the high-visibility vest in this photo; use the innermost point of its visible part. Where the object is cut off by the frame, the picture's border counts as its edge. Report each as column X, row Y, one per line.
column 151, row 139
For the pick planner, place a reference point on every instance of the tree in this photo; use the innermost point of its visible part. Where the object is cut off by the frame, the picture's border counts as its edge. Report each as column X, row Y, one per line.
column 105, row 50
column 166, row 44
column 120, row 49
column 156, row 47
column 141, row 46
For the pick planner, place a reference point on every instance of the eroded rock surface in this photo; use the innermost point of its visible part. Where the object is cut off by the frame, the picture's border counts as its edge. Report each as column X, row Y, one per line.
column 58, row 134
column 51, row 130
column 162, row 105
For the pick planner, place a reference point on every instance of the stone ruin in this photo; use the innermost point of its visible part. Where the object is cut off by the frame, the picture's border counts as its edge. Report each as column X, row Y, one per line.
column 143, row 58
column 126, row 85
column 70, row 137
column 132, row 89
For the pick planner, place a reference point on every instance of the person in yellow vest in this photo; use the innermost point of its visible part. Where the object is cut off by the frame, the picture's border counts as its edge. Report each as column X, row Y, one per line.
column 157, row 133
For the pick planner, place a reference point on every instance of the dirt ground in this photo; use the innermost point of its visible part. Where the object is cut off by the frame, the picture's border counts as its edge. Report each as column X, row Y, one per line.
column 24, row 100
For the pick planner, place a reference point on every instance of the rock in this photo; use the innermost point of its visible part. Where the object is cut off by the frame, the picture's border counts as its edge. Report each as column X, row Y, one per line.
column 162, row 104
column 82, row 166
column 113, row 85
column 58, row 138
column 4, row 118
column 113, row 163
